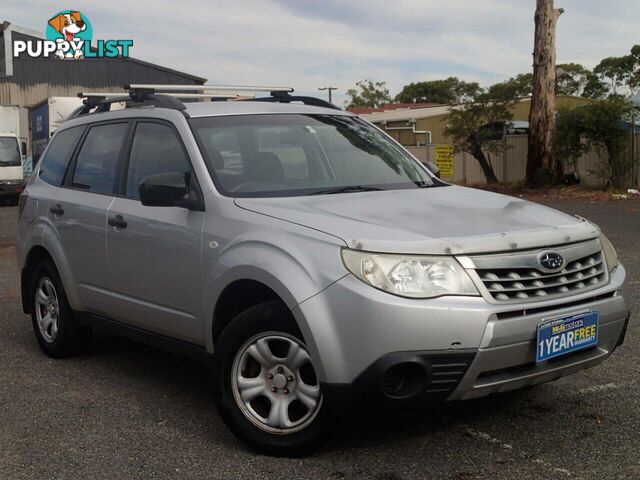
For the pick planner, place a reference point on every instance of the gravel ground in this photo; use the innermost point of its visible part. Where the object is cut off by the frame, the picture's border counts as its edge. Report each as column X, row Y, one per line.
column 128, row 411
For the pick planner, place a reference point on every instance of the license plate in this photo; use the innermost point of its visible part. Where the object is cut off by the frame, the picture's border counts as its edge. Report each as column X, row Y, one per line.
column 560, row 336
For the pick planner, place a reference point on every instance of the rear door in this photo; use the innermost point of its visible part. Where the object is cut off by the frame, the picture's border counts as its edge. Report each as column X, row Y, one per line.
column 154, row 253
column 78, row 211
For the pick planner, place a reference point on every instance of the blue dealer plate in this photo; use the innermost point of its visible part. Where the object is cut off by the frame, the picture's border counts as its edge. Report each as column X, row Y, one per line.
column 560, row 336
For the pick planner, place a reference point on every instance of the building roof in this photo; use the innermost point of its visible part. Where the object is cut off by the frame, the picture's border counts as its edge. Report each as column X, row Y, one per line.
column 412, row 114
column 407, row 114
column 7, row 28
column 391, row 106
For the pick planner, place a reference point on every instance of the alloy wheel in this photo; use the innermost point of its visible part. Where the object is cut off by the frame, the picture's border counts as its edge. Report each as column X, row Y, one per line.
column 274, row 383
column 47, row 309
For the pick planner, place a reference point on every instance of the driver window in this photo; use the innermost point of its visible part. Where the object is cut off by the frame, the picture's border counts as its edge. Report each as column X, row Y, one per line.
column 155, row 149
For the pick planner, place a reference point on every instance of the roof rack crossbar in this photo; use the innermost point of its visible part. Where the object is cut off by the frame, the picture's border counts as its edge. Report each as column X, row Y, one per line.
column 176, row 95
column 204, row 88
column 102, row 102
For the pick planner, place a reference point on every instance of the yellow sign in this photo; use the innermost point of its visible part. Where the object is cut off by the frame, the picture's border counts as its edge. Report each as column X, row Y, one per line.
column 444, row 160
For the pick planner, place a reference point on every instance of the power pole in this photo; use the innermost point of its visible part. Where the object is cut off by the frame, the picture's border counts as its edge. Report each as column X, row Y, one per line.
column 542, row 119
column 330, row 90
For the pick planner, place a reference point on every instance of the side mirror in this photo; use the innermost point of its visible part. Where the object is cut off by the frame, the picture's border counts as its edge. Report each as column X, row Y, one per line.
column 164, row 190
column 433, row 168
column 24, row 149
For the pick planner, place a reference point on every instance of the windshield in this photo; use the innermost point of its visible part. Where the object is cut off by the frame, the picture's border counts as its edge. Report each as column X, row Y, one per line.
column 9, row 152
column 287, row 155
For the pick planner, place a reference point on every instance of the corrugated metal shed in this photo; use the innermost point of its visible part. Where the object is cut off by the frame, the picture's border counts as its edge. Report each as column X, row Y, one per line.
column 27, row 81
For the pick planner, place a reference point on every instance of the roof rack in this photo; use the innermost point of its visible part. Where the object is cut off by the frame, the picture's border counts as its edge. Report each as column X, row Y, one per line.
column 102, row 102
column 284, row 97
column 204, row 88
column 166, row 96
column 277, row 94
column 176, row 95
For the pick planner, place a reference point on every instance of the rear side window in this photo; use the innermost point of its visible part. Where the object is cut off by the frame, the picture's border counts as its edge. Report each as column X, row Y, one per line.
column 54, row 163
column 155, row 149
column 97, row 160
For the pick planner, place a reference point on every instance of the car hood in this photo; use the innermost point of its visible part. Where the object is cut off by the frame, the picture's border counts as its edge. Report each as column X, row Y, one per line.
column 442, row 220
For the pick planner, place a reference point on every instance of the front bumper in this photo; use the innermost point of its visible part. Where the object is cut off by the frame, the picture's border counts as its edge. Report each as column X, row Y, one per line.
column 11, row 190
column 356, row 334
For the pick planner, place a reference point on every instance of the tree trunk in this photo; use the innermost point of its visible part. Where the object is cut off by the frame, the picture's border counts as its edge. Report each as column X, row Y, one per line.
column 543, row 101
column 486, row 167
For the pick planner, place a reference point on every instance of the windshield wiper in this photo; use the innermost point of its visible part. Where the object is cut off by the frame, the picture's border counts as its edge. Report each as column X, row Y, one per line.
column 347, row 189
column 423, row 184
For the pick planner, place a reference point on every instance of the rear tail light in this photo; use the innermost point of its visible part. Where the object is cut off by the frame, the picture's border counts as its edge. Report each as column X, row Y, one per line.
column 22, row 202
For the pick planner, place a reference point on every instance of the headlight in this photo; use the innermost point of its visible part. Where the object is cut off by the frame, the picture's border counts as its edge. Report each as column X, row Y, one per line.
column 413, row 276
column 610, row 254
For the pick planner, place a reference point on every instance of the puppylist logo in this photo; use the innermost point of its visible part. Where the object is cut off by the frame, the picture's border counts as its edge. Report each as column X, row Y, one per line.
column 69, row 36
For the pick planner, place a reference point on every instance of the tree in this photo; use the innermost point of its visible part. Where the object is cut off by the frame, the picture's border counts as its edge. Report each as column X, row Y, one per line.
column 448, row 91
column 515, row 87
column 543, row 99
column 618, row 71
column 571, row 79
column 634, row 80
column 368, row 94
column 594, row 87
column 568, row 142
column 600, row 126
column 467, row 124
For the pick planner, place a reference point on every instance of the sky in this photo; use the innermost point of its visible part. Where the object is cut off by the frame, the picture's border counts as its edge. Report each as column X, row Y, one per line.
column 308, row 44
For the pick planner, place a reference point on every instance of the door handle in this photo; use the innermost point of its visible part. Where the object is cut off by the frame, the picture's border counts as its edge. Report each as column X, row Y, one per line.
column 117, row 221
column 57, row 209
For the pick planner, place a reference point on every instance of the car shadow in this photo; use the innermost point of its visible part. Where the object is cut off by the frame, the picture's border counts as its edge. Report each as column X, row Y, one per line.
column 178, row 379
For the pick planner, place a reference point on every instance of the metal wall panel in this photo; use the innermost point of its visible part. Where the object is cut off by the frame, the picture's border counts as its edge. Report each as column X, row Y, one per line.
column 34, row 80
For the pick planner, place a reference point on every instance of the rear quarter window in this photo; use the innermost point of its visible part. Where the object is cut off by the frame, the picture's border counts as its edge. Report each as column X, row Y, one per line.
column 54, row 163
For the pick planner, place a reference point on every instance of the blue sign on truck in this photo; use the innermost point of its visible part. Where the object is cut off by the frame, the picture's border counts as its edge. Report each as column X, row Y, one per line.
column 39, row 130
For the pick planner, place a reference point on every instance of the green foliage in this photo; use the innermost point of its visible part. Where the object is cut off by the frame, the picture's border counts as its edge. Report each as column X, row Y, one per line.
column 516, row 87
column 618, row 71
column 594, row 87
column 571, row 78
column 569, row 145
column 448, row 91
column 368, row 94
column 600, row 126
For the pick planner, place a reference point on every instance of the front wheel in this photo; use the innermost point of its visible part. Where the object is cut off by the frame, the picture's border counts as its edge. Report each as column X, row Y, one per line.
column 266, row 387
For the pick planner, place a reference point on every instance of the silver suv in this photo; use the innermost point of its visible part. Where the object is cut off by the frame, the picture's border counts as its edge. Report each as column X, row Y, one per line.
column 308, row 257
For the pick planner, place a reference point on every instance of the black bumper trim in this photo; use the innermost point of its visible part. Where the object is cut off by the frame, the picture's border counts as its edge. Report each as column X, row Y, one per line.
column 441, row 374
column 624, row 329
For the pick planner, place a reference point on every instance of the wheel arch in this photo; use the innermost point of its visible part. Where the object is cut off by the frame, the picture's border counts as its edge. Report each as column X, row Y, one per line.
column 235, row 298
column 247, row 286
column 37, row 254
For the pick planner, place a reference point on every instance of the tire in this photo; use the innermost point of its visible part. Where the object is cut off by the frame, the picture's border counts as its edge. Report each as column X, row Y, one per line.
column 294, row 430
column 56, row 329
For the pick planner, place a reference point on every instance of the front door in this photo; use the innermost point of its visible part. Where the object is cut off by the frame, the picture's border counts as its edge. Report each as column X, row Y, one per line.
column 154, row 253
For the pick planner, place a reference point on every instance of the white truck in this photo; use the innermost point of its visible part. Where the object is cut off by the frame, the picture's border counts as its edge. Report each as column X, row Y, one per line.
column 13, row 149
column 45, row 119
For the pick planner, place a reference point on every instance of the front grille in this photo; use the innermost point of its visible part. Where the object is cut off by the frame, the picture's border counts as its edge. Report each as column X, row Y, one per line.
column 516, row 278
